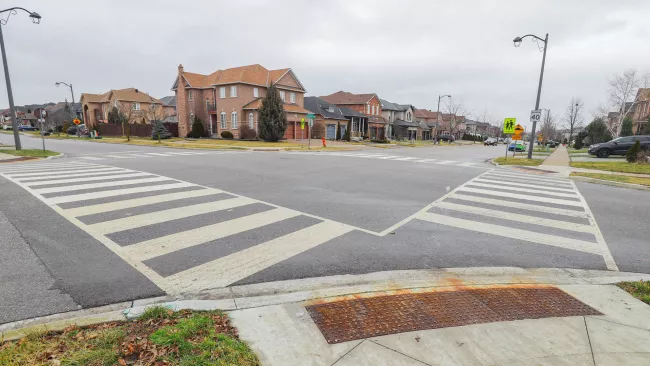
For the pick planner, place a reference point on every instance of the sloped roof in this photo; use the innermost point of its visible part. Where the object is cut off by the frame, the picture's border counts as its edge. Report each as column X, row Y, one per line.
column 291, row 108
column 250, row 74
column 93, row 98
column 349, row 112
column 401, row 122
column 343, row 97
column 319, row 106
column 388, row 106
column 169, row 101
column 375, row 119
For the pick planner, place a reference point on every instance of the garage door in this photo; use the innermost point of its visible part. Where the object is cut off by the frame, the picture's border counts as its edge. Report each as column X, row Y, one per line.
column 331, row 132
column 289, row 133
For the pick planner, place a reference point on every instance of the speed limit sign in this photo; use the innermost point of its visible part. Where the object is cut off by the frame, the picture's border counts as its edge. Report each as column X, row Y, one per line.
column 535, row 115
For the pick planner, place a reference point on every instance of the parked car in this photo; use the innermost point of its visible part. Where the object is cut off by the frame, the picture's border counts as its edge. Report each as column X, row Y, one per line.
column 552, row 144
column 619, row 146
column 519, row 146
column 490, row 142
column 449, row 138
column 27, row 128
column 7, row 127
column 72, row 130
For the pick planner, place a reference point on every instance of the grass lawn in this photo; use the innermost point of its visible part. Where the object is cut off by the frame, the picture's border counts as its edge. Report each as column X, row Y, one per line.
column 574, row 151
column 517, row 161
column 159, row 337
column 614, row 177
column 638, row 289
column 619, row 166
column 35, row 153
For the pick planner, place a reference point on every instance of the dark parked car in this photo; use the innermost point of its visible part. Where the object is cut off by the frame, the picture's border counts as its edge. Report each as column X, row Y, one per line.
column 552, row 144
column 618, row 146
column 490, row 142
column 449, row 138
column 27, row 128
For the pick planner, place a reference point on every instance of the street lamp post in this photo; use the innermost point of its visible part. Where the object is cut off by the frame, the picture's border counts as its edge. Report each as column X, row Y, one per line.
column 12, row 110
column 517, row 42
column 438, row 113
column 72, row 116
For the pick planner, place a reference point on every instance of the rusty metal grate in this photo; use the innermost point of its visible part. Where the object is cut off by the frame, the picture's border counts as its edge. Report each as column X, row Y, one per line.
column 364, row 317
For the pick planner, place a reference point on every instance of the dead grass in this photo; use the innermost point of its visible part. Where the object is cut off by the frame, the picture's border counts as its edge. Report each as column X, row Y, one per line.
column 159, row 337
column 518, row 161
column 638, row 289
column 618, row 166
column 614, row 177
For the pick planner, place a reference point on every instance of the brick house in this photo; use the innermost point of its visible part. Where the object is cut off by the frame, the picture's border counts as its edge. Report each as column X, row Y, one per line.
column 329, row 119
column 641, row 110
column 229, row 100
column 402, row 121
column 95, row 107
column 430, row 119
column 367, row 104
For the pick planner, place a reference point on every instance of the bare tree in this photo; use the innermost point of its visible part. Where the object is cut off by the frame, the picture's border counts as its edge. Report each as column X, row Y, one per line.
column 623, row 96
column 155, row 113
column 548, row 128
column 573, row 116
column 456, row 110
column 127, row 114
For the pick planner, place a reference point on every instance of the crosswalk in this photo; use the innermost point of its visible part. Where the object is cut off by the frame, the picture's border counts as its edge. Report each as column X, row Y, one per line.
column 141, row 155
column 182, row 236
column 408, row 159
column 530, row 207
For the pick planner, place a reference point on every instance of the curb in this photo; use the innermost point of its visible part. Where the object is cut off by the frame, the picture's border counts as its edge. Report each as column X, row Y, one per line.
column 61, row 155
column 236, row 298
column 611, row 183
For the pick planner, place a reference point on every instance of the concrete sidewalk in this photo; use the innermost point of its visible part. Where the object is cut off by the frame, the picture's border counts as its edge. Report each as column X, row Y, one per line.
column 285, row 334
column 273, row 318
column 559, row 157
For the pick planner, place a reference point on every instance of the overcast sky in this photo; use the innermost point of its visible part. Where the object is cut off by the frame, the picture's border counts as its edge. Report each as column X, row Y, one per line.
column 405, row 51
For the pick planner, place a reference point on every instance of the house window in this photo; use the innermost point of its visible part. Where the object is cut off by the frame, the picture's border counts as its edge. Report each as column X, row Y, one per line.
column 256, row 92
column 115, row 104
column 224, row 124
column 251, row 122
column 233, row 91
column 292, row 97
column 222, row 92
column 355, row 125
column 368, row 108
column 233, row 122
column 135, row 106
column 282, row 96
column 190, row 97
column 373, row 110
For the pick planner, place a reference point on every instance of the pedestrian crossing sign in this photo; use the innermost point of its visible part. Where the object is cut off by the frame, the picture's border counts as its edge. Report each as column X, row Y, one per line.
column 509, row 125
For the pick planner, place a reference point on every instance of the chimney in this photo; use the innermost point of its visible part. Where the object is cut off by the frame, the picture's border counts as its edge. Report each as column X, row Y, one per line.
column 136, row 90
column 180, row 68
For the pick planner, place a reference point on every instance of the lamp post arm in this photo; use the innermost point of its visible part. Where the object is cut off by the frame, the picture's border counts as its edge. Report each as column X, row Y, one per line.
column 534, row 36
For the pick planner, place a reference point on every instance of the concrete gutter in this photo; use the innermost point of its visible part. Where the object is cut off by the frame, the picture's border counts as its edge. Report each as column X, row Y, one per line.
column 296, row 291
column 611, row 183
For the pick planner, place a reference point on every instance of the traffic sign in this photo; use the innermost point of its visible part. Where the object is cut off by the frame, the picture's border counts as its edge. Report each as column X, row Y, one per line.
column 40, row 113
column 76, row 121
column 509, row 125
column 535, row 115
column 311, row 116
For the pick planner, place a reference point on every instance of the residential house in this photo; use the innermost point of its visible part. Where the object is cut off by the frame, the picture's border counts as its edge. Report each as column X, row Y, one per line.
column 366, row 104
column 402, row 121
column 230, row 99
column 329, row 119
column 431, row 119
column 358, row 123
column 452, row 125
column 137, row 104
column 169, row 102
column 641, row 111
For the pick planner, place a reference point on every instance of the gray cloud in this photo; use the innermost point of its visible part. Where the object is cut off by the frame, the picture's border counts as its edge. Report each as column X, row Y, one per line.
column 406, row 51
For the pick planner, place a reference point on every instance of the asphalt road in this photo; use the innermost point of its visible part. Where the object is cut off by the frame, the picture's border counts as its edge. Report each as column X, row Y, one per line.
column 112, row 223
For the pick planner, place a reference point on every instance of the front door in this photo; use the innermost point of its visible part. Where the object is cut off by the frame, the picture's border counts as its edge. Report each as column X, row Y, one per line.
column 344, row 127
column 331, row 132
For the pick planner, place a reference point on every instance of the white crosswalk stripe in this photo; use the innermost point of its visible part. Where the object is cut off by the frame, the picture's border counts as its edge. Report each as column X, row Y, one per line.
column 527, row 207
column 153, row 154
column 110, row 203
column 406, row 159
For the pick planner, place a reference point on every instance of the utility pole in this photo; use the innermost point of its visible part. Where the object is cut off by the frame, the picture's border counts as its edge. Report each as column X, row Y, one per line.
column 539, row 93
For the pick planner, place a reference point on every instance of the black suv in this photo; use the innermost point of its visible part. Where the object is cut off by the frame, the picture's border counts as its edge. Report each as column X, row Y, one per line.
column 618, row 146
